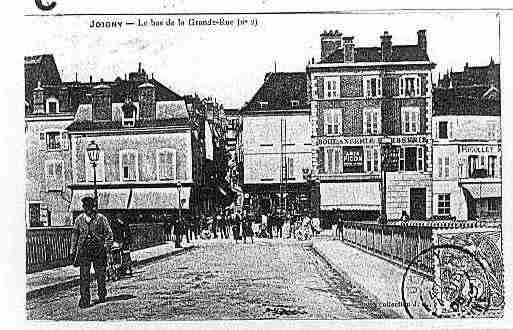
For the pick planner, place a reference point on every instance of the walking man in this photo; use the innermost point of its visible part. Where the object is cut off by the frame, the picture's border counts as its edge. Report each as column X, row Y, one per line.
column 91, row 241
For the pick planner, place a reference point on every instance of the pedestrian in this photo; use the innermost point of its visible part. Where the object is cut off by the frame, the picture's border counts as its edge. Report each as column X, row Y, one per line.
column 196, row 225
column 120, row 231
column 236, row 222
column 221, row 224
column 279, row 225
column 91, row 241
column 178, row 228
column 247, row 230
column 214, row 225
column 404, row 217
column 270, row 224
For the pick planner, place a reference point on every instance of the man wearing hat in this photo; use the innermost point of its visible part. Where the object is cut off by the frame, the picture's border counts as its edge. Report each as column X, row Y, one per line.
column 91, row 241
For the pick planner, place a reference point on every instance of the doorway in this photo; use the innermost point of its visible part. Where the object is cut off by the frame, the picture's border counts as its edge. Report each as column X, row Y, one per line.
column 418, row 203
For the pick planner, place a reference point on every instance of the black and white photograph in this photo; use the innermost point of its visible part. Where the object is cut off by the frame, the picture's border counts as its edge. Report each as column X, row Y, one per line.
column 253, row 166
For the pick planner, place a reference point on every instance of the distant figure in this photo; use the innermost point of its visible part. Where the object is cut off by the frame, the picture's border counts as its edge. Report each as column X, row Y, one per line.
column 270, row 224
column 247, row 230
column 179, row 229
column 404, row 217
column 121, row 232
column 235, row 223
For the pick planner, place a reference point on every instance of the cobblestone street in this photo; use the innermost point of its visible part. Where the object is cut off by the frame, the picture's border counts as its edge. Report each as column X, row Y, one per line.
column 220, row 280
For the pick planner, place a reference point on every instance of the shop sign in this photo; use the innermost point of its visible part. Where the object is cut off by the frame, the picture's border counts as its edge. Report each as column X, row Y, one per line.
column 479, row 149
column 353, row 159
column 363, row 140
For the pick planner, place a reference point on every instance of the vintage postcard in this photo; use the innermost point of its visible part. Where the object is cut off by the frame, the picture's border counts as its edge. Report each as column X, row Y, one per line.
column 210, row 166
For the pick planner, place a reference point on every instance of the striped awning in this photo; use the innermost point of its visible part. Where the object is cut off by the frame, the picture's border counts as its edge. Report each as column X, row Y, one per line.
column 108, row 199
column 351, row 196
column 159, row 198
column 483, row 190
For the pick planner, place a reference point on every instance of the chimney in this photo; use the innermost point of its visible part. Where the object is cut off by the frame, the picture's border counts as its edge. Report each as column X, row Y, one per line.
column 147, row 102
column 102, row 102
column 422, row 41
column 90, row 79
column 38, row 98
column 63, row 99
column 348, row 49
column 140, row 67
column 330, row 42
column 386, row 47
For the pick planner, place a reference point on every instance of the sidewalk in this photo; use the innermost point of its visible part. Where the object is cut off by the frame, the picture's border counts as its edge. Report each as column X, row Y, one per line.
column 377, row 277
column 66, row 277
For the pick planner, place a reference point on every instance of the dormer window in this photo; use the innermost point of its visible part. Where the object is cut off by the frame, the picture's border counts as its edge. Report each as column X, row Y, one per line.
column 294, row 103
column 264, row 105
column 52, row 105
column 129, row 111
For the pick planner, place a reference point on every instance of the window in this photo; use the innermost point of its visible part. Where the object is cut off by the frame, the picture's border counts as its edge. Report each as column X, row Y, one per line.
column 372, row 87
column 34, row 213
column 333, row 160
column 492, row 163
column 442, row 130
column 372, row 159
column 264, row 105
column 52, row 105
column 371, row 121
column 444, row 204
column 494, row 205
column 166, row 162
column 410, row 120
column 472, row 165
column 294, row 103
column 409, row 86
column 129, row 113
column 332, row 120
column 129, row 170
column 53, row 140
column 331, row 87
column 446, row 167
column 54, row 175
column 290, row 168
column 100, row 168
column 491, row 127
column 411, row 159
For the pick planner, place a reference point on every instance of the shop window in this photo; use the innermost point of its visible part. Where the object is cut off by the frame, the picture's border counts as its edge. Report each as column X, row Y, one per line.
column 472, row 165
column 371, row 121
column 372, row 160
column 128, row 165
column 53, row 140
column 372, row 87
column 331, row 87
column 492, row 164
column 166, row 163
column 444, row 204
column 493, row 205
column 333, row 160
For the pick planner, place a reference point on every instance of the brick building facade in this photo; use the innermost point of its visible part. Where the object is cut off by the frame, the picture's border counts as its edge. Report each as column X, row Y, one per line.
column 359, row 96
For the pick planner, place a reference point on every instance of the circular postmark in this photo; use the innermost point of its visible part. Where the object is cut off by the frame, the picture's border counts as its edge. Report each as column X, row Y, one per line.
column 455, row 286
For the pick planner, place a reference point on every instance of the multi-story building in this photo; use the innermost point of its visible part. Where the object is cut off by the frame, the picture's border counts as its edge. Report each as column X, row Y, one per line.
column 276, row 139
column 361, row 95
column 48, row 111
column 467, row 145
column 147, row 142
column 234, row 147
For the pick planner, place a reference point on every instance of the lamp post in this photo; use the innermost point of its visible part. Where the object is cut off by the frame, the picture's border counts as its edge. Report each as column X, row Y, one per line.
column 93, row 152
column 307, row 176
column 386, row 156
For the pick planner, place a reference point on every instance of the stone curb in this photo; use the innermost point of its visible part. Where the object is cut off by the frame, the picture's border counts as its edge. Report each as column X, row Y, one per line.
column 63, row 285
column 359, row 285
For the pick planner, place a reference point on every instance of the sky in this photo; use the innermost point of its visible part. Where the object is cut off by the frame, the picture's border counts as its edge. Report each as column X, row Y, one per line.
column 229, row 63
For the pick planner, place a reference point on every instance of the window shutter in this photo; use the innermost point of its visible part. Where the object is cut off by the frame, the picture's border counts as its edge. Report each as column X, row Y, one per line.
column 321, row 120
column 450, row 130
column 320, row 87
column 320, row 160
column 42, row 141
column 65, row 140
column 58, row 182
column 100, row 167
column 291, row 168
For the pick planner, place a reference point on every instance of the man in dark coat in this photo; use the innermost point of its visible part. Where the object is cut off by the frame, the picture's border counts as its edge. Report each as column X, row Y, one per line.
column 91, row 241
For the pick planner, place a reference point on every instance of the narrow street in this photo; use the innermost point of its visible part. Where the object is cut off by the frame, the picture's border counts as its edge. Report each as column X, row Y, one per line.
column 269, row 279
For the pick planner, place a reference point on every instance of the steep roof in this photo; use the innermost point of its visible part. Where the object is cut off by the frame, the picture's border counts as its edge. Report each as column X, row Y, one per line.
column 80, row 126
column 279, row 90
column 486, row 75
column 39, row 68
column 400, row 53
column 459, row 101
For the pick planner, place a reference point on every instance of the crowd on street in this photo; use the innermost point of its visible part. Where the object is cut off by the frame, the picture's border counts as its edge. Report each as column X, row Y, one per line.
column 240, row 226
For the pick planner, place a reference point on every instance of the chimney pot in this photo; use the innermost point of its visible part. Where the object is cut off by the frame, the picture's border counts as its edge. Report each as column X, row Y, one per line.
column 90, row 79
column 330, row 42
column 421, row 40
column 386, row 47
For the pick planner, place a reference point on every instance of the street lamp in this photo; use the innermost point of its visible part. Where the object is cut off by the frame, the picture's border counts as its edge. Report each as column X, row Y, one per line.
column 93, row 152
column 386, row 156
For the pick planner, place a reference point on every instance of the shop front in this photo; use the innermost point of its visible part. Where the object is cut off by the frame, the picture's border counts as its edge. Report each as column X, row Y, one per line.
column 484, row 202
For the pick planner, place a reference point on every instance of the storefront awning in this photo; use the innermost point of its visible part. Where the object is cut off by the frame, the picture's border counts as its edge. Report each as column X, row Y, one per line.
column 159, row 198
column 108, row 199
column 483, row 190
column 364, row 196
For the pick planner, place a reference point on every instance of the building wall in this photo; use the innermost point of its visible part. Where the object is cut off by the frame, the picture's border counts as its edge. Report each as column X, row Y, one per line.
column 261, row 138
column 146, row 144
column 37, row 155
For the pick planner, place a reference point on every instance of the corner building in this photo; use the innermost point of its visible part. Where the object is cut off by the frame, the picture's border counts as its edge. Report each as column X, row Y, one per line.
column 359, row 96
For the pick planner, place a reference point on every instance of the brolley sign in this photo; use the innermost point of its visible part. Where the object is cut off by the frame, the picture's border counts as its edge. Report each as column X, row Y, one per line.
column 353, row 159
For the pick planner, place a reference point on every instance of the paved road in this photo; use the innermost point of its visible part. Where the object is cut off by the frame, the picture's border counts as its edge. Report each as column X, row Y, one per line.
column 220, row 280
